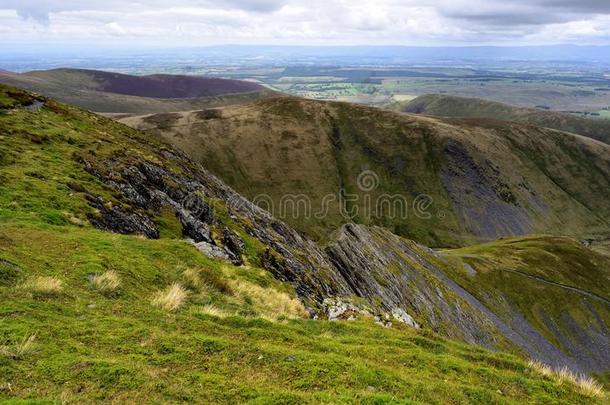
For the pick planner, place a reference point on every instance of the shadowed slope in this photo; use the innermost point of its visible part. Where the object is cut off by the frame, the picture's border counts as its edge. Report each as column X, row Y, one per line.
column 554, row 284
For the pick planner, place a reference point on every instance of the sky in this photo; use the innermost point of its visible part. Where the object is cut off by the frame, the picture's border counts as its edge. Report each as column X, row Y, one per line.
column 311, row 22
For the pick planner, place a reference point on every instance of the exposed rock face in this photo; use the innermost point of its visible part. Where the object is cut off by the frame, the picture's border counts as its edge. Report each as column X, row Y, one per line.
column 336, row 309
column 146, row 188
column 406, row 278
column 382, row 267
column 401, row 315
column 234, row 245
column 212, row 251
column 118, row 220
column 485, row 204
column 366, row 271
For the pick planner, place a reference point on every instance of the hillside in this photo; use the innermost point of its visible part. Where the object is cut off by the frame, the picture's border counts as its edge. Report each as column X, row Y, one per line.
column 462, row 107
column 318, row 165
column 126, row 94
column 551, row 285
column 105, row 300
column 545, row 294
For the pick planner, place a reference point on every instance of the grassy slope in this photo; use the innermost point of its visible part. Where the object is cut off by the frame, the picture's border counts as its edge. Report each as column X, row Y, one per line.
column 497, row 274
column 118, row 347
column 80, row 88
column 93, row 347
column 288, row 146
column 463, row 107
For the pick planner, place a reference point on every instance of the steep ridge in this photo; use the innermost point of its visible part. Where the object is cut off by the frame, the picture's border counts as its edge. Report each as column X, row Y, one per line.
column 63, row 168
column 543, row 320
column 144, row 180
column 394, row 266
column 440, row 182
column 127, row 94
column 463, row 107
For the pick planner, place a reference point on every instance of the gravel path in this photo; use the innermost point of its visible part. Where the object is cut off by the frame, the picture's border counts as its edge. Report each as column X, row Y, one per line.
column 564, row 286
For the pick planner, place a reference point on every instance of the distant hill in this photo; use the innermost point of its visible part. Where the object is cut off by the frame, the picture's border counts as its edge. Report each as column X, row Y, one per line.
column 110, row 92
column 485, row 178
column 464, row 107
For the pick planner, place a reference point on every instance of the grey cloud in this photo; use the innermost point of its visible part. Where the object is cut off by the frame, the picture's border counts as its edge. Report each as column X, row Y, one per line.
column 261, row 6
column 39, row 10
column 527, row 12
column 37, row 15
column 578, row 6
column 510, row 18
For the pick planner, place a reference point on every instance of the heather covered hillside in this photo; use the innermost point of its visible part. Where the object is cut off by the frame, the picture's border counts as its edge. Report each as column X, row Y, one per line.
column 110, row 92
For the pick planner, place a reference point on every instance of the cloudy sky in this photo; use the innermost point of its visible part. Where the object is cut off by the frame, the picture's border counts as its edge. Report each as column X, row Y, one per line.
column 305, row 22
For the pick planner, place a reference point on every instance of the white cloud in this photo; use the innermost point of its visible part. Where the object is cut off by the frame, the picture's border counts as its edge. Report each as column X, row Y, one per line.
column 404, row 22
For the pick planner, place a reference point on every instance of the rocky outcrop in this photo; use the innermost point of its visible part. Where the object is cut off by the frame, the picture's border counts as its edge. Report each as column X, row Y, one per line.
column 408, row 281
column 357, row 267
column 365, row 271
column 384, row 268
column 115, row 219
column 144, row 189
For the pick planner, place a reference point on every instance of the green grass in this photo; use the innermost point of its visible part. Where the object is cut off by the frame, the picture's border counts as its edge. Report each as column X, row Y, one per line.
column 91, row 347
column 225, row 343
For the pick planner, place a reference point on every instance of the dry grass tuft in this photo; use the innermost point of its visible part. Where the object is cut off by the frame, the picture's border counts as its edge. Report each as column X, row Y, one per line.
column 269, row 303
column 44, row 286
column 19, row 350
column 587, row 385
column 213, row 310
column 564, row 374
column 193, row 279
column 107, row 282
column 73, row 219
column 540, row 367
column 171, row 298
column 590, row 387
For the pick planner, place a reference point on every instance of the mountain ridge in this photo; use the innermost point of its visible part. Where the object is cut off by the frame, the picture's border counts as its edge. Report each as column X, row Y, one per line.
column 275, row 147
column 464, row 107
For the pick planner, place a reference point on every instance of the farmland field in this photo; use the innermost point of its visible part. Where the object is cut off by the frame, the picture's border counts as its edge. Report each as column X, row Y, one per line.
column 575, row 90
column 569, row 85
